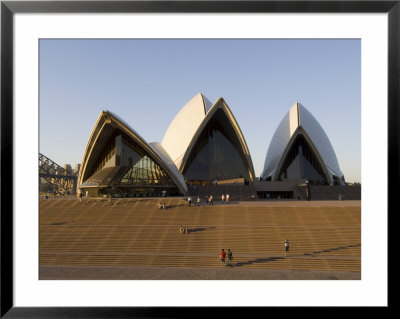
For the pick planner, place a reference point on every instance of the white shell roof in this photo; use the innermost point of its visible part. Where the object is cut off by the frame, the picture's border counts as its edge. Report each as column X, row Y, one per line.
column 299, row 116
column 184, row 126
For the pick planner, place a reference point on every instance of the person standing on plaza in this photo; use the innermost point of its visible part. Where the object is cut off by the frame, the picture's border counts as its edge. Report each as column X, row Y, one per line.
column 211, row 200
column 229, row 258
column 287, row 245
column 222, row 198
column 227, row 198
column 222, row 256
column 198, row 200
column 190, row 201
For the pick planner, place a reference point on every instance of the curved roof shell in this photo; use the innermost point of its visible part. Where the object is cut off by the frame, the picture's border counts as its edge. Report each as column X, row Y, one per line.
column 300, row 121
column 182, row 128
column 219, row 105
column 106, row 125
column 157, row 147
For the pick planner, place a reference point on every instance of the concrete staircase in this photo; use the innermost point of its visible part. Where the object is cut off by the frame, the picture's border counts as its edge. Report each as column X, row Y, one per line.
column 134, row 232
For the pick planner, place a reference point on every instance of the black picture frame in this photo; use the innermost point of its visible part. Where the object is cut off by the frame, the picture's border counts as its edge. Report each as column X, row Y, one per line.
column 9, row 8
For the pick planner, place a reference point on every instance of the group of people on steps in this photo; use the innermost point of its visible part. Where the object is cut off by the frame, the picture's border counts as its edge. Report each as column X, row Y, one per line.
column 228, row 255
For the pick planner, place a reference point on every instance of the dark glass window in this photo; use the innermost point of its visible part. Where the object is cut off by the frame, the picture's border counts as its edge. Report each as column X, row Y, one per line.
column 106, row 154
column 217, row 153
column 137, row 168
column 301, row 162
column 145, row 172
column 131, row 166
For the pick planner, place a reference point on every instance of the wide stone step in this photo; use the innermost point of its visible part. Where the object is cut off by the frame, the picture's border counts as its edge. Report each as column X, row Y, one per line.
column 249, row 262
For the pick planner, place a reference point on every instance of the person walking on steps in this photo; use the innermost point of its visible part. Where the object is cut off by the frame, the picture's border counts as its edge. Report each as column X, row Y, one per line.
column 287, row 245
column 222, row 256
column 229, row 258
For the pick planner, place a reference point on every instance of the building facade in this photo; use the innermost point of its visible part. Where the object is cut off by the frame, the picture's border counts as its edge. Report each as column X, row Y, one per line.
column 118, row 162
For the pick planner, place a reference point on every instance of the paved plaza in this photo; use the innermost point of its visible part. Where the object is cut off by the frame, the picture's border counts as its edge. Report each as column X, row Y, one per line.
column 131, row 238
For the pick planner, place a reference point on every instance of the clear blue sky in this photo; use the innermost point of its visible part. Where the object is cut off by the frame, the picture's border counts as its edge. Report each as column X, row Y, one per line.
column 146, row 83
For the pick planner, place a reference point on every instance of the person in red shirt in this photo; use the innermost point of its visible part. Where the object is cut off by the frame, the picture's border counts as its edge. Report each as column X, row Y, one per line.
column 222, row 256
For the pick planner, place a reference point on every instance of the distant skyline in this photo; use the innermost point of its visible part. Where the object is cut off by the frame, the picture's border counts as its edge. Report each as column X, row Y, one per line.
column 146, row 82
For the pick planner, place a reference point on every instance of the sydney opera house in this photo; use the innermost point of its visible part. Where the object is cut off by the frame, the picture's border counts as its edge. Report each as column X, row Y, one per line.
column 202, row 145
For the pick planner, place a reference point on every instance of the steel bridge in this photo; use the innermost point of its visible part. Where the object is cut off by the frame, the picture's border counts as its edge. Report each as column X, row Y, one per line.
column 60, row 180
